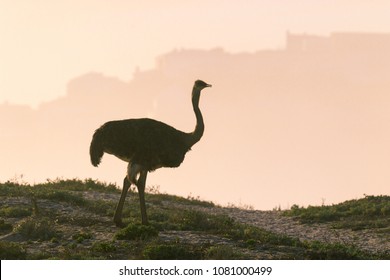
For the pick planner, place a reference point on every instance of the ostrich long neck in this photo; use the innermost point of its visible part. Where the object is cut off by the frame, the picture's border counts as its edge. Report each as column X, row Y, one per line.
column 195, row 136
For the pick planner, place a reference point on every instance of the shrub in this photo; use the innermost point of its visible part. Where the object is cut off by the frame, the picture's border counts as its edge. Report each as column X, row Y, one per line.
column 171, row 252
column 63, row 196
column 197, row 220
column 81, row 236
column 103, row 247
column 136, row 232
column 333, row 251
column 222, row 252
column 15, row 211
column 36, row 228
column 5, row 227
column 12, row 251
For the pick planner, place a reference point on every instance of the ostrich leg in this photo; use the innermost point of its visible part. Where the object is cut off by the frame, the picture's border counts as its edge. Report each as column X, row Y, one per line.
column 141, row 191
column 119, row 207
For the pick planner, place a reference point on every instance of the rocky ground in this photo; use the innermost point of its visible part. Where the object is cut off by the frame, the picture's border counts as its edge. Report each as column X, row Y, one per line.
column 102, row 228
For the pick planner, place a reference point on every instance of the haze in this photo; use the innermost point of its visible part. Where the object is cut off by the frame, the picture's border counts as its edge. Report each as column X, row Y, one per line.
column 298, row 112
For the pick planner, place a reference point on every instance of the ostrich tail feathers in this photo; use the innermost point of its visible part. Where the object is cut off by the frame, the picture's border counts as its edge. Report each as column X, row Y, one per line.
column 96, row 149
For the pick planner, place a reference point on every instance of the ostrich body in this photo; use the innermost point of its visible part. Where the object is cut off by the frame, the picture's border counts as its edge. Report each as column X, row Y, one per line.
column 146, row 145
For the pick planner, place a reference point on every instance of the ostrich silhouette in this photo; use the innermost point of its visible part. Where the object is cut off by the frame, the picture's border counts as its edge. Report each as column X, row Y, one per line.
column 146, row 145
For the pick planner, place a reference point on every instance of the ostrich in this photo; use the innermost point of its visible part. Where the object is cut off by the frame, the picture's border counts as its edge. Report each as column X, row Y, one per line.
column 146, row 145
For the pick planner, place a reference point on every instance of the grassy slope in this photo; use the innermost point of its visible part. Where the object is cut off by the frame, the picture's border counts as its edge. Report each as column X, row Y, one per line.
column 357, row 214
column 56, row 220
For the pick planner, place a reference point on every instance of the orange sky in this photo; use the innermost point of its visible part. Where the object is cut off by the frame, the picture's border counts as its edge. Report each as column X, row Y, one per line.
column 46, row 43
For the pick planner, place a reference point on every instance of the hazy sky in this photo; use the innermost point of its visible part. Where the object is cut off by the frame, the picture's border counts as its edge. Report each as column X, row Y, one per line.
column 44, row 43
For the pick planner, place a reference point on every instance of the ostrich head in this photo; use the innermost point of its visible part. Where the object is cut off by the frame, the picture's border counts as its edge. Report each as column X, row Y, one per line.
column 199, row 84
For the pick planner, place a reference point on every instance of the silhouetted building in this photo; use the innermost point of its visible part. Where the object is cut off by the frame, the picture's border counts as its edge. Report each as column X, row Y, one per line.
column 339, row 41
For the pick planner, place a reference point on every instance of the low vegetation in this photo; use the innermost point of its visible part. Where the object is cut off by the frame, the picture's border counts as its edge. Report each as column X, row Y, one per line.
column 72, row 219
column 36, row 228
column 366, row 213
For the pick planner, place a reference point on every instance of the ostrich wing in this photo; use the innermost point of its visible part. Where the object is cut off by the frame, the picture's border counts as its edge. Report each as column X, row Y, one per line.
column 148, row 142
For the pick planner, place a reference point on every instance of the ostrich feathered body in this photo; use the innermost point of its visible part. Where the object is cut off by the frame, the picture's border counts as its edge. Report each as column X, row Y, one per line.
column 147, row 142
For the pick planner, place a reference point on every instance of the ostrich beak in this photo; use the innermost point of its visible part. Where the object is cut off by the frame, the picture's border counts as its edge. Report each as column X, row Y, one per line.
column 208, row 85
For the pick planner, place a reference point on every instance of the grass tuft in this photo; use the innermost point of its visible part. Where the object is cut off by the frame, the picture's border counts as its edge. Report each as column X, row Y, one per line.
column 36, row 228
column 136, row 232
column 5, row 227
column 174, row 251
column 12, row 251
